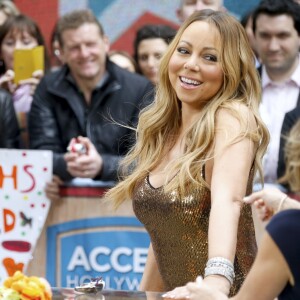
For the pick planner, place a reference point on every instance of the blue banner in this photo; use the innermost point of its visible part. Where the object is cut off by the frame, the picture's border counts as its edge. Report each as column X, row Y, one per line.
column 112, row 247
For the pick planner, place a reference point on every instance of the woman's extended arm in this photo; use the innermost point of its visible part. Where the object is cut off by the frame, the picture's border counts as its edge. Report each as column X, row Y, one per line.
column 229, row 177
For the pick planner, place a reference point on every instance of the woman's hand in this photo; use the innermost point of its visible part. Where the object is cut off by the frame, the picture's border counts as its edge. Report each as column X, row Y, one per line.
column 7, row 81
column 196, row 290
column 266, row 202
column 178, row 293
column 204, row 292
column 33, row 81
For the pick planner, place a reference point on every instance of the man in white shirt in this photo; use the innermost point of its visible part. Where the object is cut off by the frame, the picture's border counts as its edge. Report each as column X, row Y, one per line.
column 276, row 25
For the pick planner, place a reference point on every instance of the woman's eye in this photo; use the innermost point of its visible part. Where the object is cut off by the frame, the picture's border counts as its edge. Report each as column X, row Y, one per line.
column 211, row 58
column 9, row 42
column 27, row 41
column 182, row 50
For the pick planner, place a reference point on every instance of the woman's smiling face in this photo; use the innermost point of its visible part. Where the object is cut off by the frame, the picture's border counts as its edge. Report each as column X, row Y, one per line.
column 195, row 70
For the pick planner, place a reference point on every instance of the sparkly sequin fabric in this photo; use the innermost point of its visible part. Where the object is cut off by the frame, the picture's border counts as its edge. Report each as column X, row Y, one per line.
column 178, row 228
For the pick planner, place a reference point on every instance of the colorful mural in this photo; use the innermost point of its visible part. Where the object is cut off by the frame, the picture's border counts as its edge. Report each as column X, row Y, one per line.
column 121, row 18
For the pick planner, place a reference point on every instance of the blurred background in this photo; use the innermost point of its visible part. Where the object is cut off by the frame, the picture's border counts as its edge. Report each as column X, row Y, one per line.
column 120, row 18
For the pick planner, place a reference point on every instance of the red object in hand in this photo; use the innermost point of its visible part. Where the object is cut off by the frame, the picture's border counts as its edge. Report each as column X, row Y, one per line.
column 76, row 147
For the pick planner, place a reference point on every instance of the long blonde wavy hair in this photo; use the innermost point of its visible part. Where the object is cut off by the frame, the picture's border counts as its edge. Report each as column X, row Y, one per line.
column 160, row 122
column 292, row 159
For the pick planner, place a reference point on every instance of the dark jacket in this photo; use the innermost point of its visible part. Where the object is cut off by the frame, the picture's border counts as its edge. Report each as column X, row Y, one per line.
column 60, row 113
column 290, row 119
column 9, row 128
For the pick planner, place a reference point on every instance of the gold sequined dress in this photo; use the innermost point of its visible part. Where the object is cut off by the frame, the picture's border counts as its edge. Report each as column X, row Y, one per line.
column 178, row 229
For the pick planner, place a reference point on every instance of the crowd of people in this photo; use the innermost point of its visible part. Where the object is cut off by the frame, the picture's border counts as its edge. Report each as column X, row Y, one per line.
column 187, row 125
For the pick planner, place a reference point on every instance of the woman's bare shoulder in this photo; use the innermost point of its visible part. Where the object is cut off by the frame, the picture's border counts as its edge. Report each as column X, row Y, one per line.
column 236, row 114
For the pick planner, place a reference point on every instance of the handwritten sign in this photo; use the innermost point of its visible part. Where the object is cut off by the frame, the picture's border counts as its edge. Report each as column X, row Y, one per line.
column 23, row 205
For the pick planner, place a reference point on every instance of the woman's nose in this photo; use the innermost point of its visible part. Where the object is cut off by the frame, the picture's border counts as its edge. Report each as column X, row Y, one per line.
column 192, row 66
column 19, row 45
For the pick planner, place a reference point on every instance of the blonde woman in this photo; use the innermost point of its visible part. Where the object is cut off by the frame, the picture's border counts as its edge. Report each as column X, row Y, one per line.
column 198, row 146
column 275, row 272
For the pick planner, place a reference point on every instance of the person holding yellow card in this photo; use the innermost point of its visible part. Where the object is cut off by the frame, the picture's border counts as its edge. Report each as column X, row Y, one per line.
column 24, row 61
column 27, row 62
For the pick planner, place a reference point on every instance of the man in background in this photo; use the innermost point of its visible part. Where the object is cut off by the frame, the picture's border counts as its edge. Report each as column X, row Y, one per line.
column 187, row 7
column 276, row 26
column 88, row 105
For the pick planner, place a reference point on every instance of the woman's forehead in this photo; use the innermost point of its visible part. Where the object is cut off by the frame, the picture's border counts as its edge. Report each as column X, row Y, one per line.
column 17, row 31
column 201, row 30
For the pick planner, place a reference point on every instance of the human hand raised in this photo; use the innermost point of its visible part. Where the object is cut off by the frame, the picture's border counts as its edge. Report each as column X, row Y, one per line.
column 33, row 81
column 84, row 165
column 266, row 202
column 7, row 81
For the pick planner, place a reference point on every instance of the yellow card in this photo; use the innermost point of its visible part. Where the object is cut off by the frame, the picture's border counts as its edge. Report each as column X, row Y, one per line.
column 26, row 61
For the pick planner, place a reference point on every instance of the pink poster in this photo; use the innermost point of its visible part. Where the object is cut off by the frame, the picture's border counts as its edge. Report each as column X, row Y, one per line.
column 23, row 206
